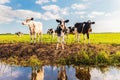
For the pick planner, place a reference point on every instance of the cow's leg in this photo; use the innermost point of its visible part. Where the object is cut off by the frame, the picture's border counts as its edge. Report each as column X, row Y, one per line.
column 41, row 37
column 84, row 38
column 52, row 36
column 63, row 37
column 62, row 42
column 62, row 45
column 34, row 40
column 88, row 38
column 78, row 36
column 67, row 37
column 58, row 42
column 30, row 37
column 38, row 37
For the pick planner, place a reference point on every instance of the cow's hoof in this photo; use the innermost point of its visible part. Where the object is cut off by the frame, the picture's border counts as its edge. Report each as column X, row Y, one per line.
column 31, row 43
column 34, row 44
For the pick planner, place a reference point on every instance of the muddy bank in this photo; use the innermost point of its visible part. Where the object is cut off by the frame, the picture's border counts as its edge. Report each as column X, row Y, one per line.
column 47, row 52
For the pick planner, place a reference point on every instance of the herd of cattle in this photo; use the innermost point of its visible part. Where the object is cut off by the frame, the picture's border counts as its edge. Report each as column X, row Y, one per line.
column 83, row 27
column 61, row 30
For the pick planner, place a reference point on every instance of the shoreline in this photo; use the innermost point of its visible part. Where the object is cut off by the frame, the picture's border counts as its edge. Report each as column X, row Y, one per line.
column 20, row 53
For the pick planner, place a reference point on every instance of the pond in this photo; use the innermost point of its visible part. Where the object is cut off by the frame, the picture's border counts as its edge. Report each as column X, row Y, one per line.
column 47, row 72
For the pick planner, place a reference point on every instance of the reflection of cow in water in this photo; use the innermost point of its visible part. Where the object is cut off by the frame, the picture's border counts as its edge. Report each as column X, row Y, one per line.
column 83, row 73
column 37, row 74
column 62, row 74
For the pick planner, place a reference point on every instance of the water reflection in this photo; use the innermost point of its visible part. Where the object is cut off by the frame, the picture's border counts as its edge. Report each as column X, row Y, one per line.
column 8, row 72
column 83, row 73
column 37, row 73
column 62, row 73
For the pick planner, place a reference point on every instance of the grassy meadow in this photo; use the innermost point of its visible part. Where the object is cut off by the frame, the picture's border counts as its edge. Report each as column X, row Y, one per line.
column 95, row 38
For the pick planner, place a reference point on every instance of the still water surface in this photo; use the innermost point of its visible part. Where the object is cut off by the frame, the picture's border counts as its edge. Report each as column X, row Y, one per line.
column 47, row 72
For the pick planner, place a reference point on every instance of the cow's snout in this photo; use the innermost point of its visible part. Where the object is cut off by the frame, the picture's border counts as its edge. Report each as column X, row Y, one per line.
column 22, row 23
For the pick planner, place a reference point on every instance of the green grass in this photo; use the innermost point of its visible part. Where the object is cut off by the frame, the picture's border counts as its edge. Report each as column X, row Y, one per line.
column 109, row 38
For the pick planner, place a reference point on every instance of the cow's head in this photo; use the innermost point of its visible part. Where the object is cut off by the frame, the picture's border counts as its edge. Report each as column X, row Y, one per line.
column 27, row 21
column 62, row 22
column 88, row 25
column 89, row 21
column 50, row 31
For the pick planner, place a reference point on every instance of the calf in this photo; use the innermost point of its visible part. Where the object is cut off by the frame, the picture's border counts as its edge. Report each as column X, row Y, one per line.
column 61, row 28
column 35, row 29
column 51, row 32
column 19, row 34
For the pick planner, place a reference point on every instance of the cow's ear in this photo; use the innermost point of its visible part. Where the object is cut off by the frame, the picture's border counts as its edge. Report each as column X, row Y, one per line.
column 58, row 21
column 93, row 22
column 66, row 21
column 32, row 18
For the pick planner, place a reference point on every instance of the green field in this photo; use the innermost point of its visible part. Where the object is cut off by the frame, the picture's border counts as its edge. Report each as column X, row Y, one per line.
column 109, row 38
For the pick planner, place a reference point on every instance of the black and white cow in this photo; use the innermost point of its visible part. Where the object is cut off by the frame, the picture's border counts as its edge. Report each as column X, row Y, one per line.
column 84, row 28
column 19, row 34
column 52, row 33
column 61, row 29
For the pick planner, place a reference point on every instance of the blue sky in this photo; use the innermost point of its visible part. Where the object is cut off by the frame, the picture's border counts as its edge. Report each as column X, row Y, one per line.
column 106, row 14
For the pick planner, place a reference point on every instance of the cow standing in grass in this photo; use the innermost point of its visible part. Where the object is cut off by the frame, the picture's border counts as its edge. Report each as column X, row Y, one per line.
column 78, row 28
column 51, row 32
column 84, row 28
column 61, row 28
column 19, row 34
column 35, row 29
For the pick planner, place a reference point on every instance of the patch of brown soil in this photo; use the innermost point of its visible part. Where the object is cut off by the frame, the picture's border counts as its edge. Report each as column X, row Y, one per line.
column 48, row 53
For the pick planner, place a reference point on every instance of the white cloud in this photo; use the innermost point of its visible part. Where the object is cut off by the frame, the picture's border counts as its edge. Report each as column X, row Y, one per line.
column 64, row 11
column 52, row 8
column 110, row 74
column 8, row 14
column 95, row 13
column 49, row 15
column 44, row 1
column 54, row 11
column 51, row 12
column 108, row 23
column 4, row 1
column 80, row 12
column 5, row 19
column 108, row 14
column 27, row 13
column 79, row 6
column 82, row 16
column 90, row 16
